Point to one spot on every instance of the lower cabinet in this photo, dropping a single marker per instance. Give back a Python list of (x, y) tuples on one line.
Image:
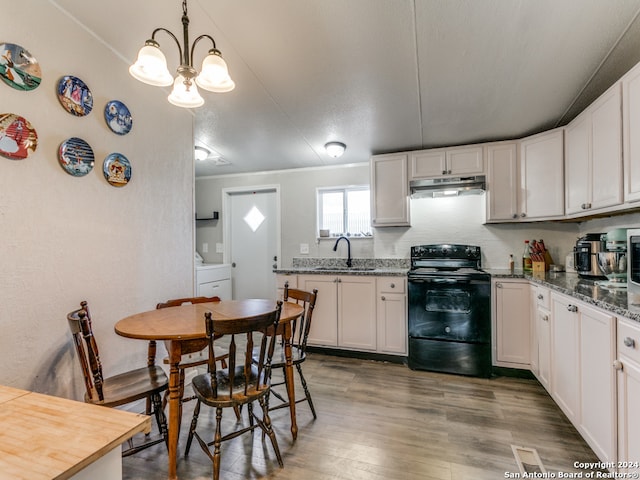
[(356, 312), (565, 341), (598, 382), (628, 382), (391, 311), (582, 374), (541, 335), (511, 342), (345, 311)]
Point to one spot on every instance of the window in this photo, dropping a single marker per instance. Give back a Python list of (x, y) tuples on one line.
[(344, 211)]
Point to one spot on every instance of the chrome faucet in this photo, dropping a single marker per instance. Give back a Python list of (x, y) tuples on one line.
[(335, 249)]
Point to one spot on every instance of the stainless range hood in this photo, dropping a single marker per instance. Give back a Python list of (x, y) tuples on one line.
[(451, 186)]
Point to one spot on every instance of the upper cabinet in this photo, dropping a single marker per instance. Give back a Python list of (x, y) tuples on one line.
[(631, 133), (502, 181), (450, 161), (593, 156), (525, 179), (389, 190), (541, 188)]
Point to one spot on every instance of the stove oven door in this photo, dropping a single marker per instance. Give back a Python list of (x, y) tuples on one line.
[(455, 309)]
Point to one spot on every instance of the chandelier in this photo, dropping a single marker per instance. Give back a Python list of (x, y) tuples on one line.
[(151, 68)]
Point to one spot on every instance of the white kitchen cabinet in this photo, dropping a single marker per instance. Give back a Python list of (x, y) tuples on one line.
[(389, 190), (357, 312), (502, 181), (511, 314), (467, 160), (628, 381), (391, 311), (541, 336), (598, 381), (593, 156), (631, 133), (565, 355), (324, 326), (213, 280), (345, 311), (281, 280), (541, 171)]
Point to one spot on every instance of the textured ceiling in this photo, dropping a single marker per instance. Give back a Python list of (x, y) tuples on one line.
[(381, 75)]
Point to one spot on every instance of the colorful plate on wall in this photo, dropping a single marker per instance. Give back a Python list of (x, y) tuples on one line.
[(117, 169), (75, 96), (18, 139), (118, 117), (76, 157), (18, 68)]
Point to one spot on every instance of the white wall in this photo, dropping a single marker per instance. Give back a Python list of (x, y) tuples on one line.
[(66, 239), (453, 220)]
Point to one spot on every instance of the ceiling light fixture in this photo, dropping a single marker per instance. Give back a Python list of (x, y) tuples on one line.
[(201, 153), (151, 68), (335, 149)]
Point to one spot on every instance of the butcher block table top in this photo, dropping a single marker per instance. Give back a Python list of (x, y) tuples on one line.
[(46, 437)]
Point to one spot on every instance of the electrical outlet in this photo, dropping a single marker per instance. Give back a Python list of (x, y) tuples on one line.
[(219, 248), (205, 247), (304, 248)]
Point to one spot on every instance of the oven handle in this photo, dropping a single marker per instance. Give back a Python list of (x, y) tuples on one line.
[(448, 281)]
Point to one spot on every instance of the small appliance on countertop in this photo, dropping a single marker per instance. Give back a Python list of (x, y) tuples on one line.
[(613, 260), (585, 256)]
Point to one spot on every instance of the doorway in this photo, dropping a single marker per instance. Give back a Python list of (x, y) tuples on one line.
[(252, 239)]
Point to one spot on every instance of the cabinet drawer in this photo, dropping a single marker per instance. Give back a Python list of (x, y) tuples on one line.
[(629, 339), (292, 280), (391, 284), (542, 297)]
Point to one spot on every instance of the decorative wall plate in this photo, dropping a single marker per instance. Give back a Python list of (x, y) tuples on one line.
[(118, 117), (76, 157), (75, 96), (18, 68), (117, 169), (18, 139)]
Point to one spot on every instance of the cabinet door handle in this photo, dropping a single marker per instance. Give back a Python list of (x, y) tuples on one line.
[(540, 296), (629, 342), (545, 318), (444, 172), (617, 364), (393, 285), (382, 298), (515, 215), (572, 308), (498, 285), (523, 214)]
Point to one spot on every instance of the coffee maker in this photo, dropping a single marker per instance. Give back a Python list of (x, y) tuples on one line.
[(585, 256)]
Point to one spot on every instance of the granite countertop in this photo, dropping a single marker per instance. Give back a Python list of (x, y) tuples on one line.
[(613, 300), (371, 271), (396, 267)]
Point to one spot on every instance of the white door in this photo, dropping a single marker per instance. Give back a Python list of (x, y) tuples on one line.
[(252, 241)]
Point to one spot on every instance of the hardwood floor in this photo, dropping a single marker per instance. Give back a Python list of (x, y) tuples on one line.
[(383, 421)]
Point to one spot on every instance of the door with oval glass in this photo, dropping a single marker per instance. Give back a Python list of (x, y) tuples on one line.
[(253, 227)]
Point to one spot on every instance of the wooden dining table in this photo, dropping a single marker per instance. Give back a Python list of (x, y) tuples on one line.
[(177, 326)]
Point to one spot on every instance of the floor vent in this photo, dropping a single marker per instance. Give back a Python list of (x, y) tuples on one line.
[(528, 460)]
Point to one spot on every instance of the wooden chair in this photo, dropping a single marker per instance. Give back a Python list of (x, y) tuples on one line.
[(188, 348), (299, 334), (240, 383), (128, 387)]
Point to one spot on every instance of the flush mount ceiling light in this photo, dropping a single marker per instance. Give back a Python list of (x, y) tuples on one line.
[(201, 153), (335, 149), (151, 68)]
